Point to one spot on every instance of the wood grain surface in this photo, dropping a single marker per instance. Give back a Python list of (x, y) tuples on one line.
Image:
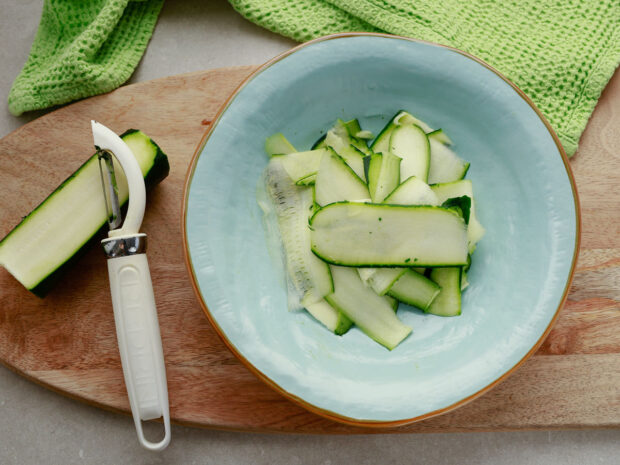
[(67, 340)]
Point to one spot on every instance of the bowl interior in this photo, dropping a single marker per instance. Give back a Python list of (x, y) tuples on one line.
[(520, 270)]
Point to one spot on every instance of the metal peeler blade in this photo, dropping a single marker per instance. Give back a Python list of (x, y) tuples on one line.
[(110, 188)]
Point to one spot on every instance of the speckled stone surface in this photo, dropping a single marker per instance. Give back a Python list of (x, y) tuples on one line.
[(38, 426)]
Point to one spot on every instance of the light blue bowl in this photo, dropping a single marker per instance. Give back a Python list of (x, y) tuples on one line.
[(525, 197)]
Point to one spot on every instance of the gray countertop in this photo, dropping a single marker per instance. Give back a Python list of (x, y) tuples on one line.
[(38, 426)]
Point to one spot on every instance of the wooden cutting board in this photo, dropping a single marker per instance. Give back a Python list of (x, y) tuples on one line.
[(67, 341)]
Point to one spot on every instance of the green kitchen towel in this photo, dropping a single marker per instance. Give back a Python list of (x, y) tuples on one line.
[(561, 53), (83, 48)]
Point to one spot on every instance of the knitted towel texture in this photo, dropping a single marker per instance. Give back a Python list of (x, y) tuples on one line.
[(83, 48), (561, 53)]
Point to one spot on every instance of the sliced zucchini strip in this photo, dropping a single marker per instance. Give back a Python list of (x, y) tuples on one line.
[(369, 235), (372, 313)]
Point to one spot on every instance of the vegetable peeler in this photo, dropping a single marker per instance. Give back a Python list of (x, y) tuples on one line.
[(135, 314)]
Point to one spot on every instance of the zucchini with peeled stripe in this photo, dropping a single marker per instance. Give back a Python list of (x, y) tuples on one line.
[(370, 235), (58, 231)]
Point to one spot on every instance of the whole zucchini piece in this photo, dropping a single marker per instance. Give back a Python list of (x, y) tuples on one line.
[(58, 231)]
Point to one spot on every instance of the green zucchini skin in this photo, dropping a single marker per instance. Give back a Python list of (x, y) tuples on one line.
[(373, 314), (448, 301), (334, 244), (349, 185), (441, 136), (157, 172), (48, 283), (277, 144), (353, 126), (319, 143), (383, 175), (323, 312), (344, 324), (385, 133), (161, 166), (415, 154), (414, 289)]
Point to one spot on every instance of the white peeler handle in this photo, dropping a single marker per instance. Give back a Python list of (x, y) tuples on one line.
[(139, 342)]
